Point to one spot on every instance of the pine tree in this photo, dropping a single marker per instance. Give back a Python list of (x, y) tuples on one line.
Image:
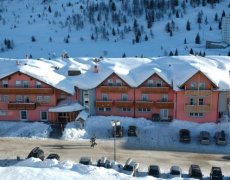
[(146, 37), (185, 41), (216, 17), (197, 39), (176, 53), (113, 32), (49, 9), (171, 53), (191, 51), (33, 39), (210, 29), (204, 54), (228, 53), (223, 14), (177, 14), (188, 27), (220, 25), (124, 55)]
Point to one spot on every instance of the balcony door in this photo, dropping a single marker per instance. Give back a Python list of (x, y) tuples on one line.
[(164, 113), (23, 115)]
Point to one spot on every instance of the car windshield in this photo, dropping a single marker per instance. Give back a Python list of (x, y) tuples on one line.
[(216, 172), (154, 171), (175, 172), (128, 168)]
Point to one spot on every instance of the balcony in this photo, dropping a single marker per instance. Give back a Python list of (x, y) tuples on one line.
[(104, 103), (157, 90), (144, 104), (22, 106), (198, 92), (164, 105), (26, 90), (114, 89), (123, 103), (197, 108)]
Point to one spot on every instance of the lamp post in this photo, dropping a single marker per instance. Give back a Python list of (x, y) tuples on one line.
[(114, 125)]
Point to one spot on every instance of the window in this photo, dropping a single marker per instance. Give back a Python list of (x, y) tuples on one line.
[(143, 110), (5, 83), (201, 85), (39, 98), (164, 113), (193, 85), (196, 114), (201, 101), (44, 115), (118, 82), (105, 97), (192, 101), (150, 83), (18, 83), (62, 114), (25, 84), (124, 109), (5, 98), (3, 112), (23, 115), (124, 97), (110, 82), (46, 99), (104, 109), (38, 84), (26, 99), (158, 83), (18, 98), (144, 97), (164, 98)]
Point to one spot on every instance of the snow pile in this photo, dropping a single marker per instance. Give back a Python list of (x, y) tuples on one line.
[(24, 129)]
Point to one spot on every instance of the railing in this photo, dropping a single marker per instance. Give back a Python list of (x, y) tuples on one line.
[(197, 108), (158, 90), (26, 90), (114, 89), (198, 92), (104, 103), (123, 103), (23, 106), (164, 105), (144, 104)]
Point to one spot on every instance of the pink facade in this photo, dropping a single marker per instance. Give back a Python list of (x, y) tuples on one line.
[(197, 102), (28, 99)]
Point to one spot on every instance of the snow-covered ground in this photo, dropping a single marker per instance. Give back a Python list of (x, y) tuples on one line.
[(150, 135)]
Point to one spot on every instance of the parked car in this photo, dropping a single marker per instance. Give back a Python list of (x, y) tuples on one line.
[(132, 131), (86, 160), (185, 136), (216, 173), (220, 138), (154, 170), (53, 156), (104, 162), (195, 172), (37, 153), (204, 137), (130, 167), (119, 131), (175, 171)]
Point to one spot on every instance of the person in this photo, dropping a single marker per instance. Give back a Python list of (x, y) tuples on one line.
[(93, 140)]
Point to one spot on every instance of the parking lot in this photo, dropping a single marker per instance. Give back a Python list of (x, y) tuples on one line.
[(10, 148)]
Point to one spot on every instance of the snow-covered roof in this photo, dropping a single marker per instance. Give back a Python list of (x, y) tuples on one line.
[(68, 107), (134, 71), (83, 115)]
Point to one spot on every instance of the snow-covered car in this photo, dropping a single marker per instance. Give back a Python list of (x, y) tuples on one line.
[(175, 172), (53, 156), (204, 137), (154, 170), (132, 131), (118, 132), (195, 172), (37, 153), (216, 173), (86, 160), (220, 138), (104, 162), (185, 136), (130, 167)]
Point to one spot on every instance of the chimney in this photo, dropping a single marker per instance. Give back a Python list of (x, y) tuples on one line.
[(95, 69)]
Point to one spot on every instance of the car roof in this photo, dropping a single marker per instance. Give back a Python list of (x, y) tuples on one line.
[(154, 166), (85, 158), (175, 167)]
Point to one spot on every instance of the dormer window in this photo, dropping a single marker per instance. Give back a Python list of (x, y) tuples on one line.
[(118, 82), (38, 84), (193, 85), (110, 82), (5, 83), (18, 83), (201, 86), (150, 83), (159, 83)]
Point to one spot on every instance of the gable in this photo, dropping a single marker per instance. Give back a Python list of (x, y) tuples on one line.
[(113, 78)]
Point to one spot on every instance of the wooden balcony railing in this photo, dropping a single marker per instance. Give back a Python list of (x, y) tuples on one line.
[(198, 92), (197, 108), (22, 106), (26, 90), (144, 104), (158, 90), (114, 89), (164, 105), (123, 103), (104, 103)]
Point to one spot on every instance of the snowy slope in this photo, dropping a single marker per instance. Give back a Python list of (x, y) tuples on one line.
[(21, 20)]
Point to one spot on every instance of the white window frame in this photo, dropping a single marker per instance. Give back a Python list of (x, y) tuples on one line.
[(39, 99), (164, 113), (41, 112), (3, 112), (38, 84), (110, 82), (144, 97), (201, 85), (158, 83), (150, 83), (118, 82), (26, 99), (25, 84), (21, 118), (124, 97), (5, 83), (164, 97), (46, 99), (193, 86), (5, 98), (104, 97), (18, 83), (19, 98)]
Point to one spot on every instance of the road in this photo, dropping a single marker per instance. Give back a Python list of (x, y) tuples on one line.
[(10, 148)]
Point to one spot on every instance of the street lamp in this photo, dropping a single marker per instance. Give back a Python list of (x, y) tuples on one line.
[(115, 123)]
